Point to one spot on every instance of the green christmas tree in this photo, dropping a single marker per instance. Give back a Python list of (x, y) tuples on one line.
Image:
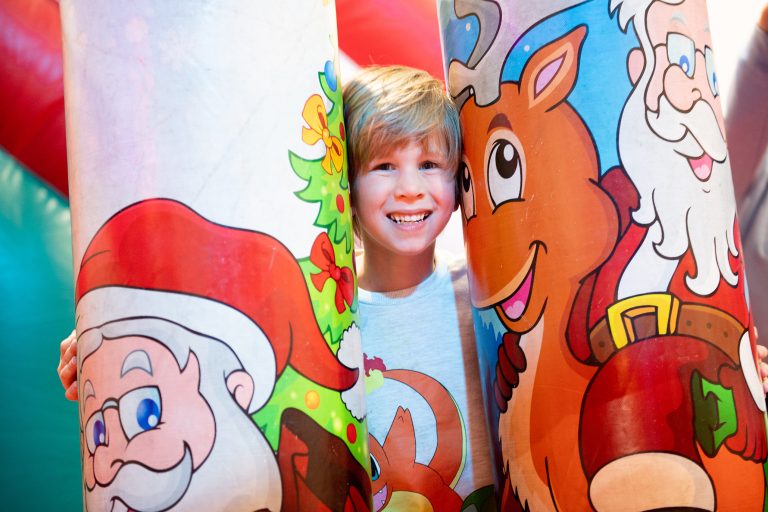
[(327, 185), (328, 270)]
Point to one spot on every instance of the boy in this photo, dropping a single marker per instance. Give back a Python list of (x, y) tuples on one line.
[(429, 443)]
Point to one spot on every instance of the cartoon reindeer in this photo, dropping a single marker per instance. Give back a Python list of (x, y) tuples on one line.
[(536, 223), (394, 468)]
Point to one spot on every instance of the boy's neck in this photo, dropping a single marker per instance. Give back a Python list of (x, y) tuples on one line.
[(387, 272)]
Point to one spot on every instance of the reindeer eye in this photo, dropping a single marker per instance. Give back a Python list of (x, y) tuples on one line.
[(467, 191), (505, 172)]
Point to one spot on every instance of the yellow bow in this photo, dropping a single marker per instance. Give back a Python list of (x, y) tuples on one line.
[(317, 119)]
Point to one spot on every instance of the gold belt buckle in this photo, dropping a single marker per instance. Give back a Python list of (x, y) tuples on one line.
[(620, 315)]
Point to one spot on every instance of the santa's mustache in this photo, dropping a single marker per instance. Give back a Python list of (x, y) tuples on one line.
[(139, 488), (693, 130)]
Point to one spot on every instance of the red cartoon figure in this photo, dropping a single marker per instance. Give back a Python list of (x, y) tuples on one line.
[(674, 416), (396, 472), (184, 327), (528, 161)]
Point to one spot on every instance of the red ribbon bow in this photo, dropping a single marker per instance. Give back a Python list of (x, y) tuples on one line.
[(323, 257)]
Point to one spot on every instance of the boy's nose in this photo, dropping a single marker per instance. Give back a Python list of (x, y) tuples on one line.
[(410, 184)]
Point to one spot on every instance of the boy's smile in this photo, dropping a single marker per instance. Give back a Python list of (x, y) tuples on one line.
[(408, 219), (403, 199)]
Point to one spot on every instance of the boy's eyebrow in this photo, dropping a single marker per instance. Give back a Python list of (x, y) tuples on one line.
[(499, 120)]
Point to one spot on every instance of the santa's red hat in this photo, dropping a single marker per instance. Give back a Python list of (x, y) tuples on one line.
[(160, 259)]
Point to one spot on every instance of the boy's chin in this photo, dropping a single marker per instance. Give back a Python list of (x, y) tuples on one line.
[(415, 247)]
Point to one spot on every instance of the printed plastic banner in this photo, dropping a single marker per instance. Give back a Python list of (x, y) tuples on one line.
[(614, 330), (219, 360)]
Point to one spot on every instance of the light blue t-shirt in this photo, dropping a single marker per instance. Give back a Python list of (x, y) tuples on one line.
[(422, 370)]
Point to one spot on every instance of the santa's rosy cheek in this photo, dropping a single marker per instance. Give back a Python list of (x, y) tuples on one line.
[(88, 472)]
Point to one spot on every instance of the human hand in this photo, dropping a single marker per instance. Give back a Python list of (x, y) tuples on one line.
[(68, 366), (763, 23), (762, 367)]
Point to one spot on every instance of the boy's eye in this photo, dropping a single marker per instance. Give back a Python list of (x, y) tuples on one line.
[(383, 167), (429, 165)]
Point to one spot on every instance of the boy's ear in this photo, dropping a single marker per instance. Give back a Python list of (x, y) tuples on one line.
[(457, 196)]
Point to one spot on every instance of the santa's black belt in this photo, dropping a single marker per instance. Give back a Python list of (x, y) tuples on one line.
[(659, 314)]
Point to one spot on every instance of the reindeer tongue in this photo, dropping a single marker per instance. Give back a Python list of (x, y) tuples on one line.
[(515, 305)]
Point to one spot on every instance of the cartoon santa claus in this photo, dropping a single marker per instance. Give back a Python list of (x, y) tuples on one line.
[(184, 327)]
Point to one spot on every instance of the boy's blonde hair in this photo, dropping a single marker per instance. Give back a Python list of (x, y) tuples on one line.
[(386, 107)]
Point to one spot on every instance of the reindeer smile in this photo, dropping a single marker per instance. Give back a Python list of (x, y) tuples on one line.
[(512, 299)]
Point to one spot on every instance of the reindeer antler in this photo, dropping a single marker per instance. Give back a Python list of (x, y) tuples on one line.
[(481, 75), (477, 76)]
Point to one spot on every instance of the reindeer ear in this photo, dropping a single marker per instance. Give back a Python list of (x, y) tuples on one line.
[(550, 74)]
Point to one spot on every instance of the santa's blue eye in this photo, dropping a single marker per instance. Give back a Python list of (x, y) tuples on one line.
[(709, 62), (684, 63), (140, 410), (99, 433), (681, 52), (95, 432), (148, 414)]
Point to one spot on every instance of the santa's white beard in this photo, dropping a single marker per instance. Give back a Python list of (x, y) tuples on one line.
[(139, 488), (240, 473), (691, 213)]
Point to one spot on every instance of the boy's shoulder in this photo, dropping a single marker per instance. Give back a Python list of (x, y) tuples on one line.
[(454, 264)]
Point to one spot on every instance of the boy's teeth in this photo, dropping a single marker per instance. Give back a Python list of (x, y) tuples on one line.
[(408, 218)]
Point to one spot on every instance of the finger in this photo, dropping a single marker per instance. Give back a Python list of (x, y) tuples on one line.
[(66, 342), (72, 349), (68, 355), (68, 374), (763, 371), (71, 392), (762, 352), (64, 346)]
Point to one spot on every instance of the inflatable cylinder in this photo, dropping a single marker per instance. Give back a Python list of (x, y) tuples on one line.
[(218, 356), (606, 275)]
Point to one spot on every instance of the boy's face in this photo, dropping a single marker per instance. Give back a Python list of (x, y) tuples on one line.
[(404, 198)]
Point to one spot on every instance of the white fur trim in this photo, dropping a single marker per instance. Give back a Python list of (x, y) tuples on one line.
[(748, 367), (350, 354), (132, 311)]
